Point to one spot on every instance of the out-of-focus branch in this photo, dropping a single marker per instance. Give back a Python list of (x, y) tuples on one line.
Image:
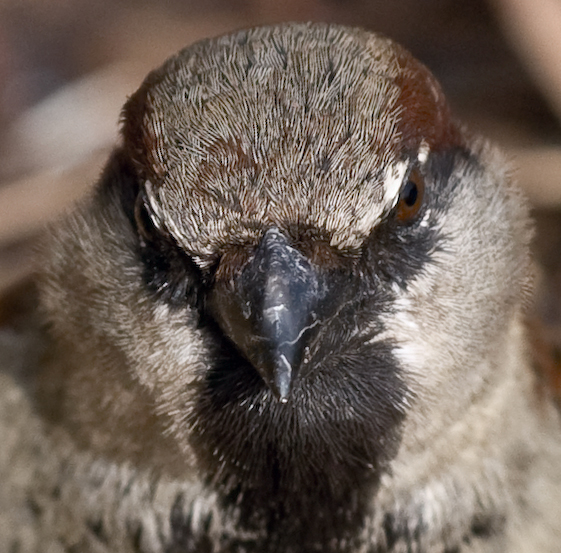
[(29, 203), (539, 172), (534, 30), (67, 127)]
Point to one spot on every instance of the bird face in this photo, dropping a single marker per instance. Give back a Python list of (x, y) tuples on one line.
[(306, 262)]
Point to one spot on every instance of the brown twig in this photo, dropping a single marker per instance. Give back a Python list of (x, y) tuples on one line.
[(534, 30)]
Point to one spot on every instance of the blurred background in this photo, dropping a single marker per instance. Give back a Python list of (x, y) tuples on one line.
[(67, 66)]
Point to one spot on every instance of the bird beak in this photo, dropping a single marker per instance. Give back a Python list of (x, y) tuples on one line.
[(270, 308)]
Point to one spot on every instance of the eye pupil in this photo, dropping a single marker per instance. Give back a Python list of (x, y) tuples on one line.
[(410, 193), (411, 197)]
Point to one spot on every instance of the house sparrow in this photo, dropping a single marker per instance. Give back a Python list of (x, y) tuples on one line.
[(289, 318)]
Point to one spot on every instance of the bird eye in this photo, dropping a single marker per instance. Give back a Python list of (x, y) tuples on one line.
[(411, 197)]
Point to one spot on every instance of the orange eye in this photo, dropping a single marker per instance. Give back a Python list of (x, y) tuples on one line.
[(411, 197)]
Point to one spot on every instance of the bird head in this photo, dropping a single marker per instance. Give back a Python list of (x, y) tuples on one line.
[(302, 257)]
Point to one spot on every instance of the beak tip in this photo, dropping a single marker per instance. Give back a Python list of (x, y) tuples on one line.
[(282, 393), (282, 379)]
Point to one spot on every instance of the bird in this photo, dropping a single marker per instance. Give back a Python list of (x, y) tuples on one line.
[(288, 318)]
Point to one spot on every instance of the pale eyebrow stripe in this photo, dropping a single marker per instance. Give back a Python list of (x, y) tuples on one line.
[(393, 180), (395, 175), (423, 154)]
